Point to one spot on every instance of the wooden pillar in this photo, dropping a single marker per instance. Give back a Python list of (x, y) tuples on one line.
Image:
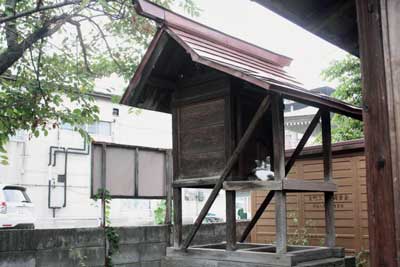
[(379, 41), (177, 192), (279, 170), (177, 217), (330, 239), (288, 167), (168, 189), (230, 198)]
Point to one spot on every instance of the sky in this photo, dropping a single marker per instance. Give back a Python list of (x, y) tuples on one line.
[(251, 22)]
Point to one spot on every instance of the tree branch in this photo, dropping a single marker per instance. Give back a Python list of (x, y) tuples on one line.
[(36, 67), (39, 9), (78, 29), (103, 36), (12, 54), (11, 27)]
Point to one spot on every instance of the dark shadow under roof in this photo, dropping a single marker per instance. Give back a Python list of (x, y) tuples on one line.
[(332, 20)]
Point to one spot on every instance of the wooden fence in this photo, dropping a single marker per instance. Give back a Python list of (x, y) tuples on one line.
[(306, 210)]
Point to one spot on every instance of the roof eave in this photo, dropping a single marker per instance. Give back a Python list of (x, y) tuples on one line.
[(138, 74)]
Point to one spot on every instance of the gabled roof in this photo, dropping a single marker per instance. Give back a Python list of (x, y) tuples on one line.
[(226, 54)]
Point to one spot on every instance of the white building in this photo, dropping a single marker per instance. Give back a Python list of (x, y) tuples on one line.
[(31, 163), (298, 117)]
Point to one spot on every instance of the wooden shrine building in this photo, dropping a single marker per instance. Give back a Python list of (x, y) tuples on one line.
[(368, 29), (226, 100)]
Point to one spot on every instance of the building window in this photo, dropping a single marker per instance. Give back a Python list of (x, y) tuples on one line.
[(19, 136), (70, 127), (100, 128), (66, 126), (115, 112)]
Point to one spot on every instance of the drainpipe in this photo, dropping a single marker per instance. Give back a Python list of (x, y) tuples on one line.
[(53, 151)]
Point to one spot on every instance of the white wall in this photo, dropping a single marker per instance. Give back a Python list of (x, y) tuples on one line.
[(28, 166), (29, 159)]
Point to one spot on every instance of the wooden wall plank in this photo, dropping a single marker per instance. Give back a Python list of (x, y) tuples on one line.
[(307, 209), (229, 165), (201, 139)]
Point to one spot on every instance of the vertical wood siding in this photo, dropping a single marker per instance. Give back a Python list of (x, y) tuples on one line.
[(308, 208)]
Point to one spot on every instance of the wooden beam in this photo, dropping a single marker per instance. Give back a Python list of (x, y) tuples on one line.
[(279, 171), (288, 167), (330, 239), (303, 141), (252, 185), (379, 38), (292, 185), (207, 182), (230, 164)]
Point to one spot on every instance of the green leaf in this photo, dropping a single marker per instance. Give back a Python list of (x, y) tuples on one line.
[(116, 99), (347, 74), (61, 91)]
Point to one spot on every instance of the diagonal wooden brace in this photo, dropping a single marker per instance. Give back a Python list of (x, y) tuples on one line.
[(230, 164), (288, 167)]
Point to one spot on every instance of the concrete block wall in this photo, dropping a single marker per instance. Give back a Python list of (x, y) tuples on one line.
[(142, 246)]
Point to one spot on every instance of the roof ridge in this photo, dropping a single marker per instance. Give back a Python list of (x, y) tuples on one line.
[(174, 20)]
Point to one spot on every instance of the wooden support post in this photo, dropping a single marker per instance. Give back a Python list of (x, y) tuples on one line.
[(177, 217), (177, 192), (329, 196), (103, 183), (288, 167), (379, 41), (231, 162), (168, 191), (103, 197), (279, 170), (230, 198)]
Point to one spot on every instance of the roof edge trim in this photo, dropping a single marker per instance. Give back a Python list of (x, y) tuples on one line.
[(162, 15), (137, 76)]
